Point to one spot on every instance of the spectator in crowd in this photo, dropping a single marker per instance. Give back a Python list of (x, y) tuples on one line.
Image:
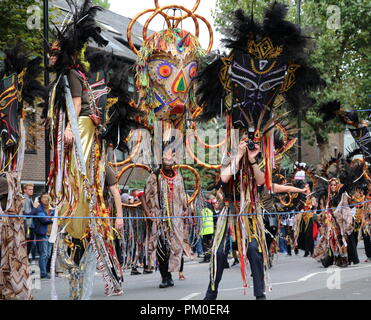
[(29, 227), (207, 231), (41, 232)]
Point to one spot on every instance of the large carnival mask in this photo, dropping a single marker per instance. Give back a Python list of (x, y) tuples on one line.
[(256, 78), (9, 130), (166, 81)]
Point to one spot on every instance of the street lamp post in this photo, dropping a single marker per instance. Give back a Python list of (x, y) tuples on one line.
[(46, 82), (298, 3)]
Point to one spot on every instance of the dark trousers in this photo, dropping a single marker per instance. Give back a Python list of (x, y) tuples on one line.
[(181, 265), (256, 263), (163, 254), (207, 243), (308, 240), (31, 245), (367, 242), (270, 236), (42, 247), (352, 240)]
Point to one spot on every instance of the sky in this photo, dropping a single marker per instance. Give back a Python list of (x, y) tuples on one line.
[(129, 8)]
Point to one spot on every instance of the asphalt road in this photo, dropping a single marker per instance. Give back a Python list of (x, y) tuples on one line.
[(292, 278)]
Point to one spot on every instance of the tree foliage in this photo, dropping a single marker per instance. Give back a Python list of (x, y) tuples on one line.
[(103, 3), (19, 21)]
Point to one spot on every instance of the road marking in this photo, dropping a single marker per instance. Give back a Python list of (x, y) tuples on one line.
[(305, 278), (190, 296)]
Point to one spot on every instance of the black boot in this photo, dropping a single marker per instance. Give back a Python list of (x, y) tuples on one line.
[(170, 281), (289, 250), (165, 283)]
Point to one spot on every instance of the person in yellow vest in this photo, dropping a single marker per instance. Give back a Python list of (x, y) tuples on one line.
[(207, 231)]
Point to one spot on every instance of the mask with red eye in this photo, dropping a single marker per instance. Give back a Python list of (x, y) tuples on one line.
[(169, 74)]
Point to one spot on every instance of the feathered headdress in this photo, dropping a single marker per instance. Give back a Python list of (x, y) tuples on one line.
[(332, 109), (273, 39), (123, 114), (360, 132), (75, 34)]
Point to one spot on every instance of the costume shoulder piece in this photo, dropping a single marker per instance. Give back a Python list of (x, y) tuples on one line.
[(19, 84)]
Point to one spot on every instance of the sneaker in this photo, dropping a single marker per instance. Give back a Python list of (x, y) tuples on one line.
[(263, 297), (47, 277)]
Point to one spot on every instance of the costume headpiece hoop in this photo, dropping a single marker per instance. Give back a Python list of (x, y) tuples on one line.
[(172, 21)]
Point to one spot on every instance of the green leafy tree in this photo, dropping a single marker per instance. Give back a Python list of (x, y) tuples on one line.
[(21, 20), (103, 3), (341, 54)]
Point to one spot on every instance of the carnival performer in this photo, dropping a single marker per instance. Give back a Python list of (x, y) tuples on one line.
[(164, 196), (19, 87), (336, 245), (265, 67), (76, 178), (304, 239)]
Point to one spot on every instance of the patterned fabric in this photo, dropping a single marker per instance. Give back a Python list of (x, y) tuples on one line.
[(163, 200), (15, 281)]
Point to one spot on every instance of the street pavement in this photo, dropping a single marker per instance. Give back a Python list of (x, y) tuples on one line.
[(292, 278)]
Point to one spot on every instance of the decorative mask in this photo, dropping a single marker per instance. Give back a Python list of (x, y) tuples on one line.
[(167, 66), (257, 77)]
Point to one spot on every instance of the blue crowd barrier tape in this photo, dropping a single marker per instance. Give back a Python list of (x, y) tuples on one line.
[(187, 217)]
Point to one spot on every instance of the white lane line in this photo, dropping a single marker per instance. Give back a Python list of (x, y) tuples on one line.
[(305, 278), (190, 296), (308, 276)]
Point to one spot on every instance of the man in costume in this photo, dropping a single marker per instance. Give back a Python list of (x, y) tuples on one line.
[(338, 243), (18, 86), (165, 72), (164, 196), (266, 66), (76, 179)]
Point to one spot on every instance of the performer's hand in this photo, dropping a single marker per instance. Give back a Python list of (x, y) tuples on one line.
[(253, 153), (68, 136), (306, 190), (242, 147), (119, 223)]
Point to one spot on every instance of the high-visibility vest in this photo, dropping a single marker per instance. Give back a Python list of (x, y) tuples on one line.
[(207, 222)]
